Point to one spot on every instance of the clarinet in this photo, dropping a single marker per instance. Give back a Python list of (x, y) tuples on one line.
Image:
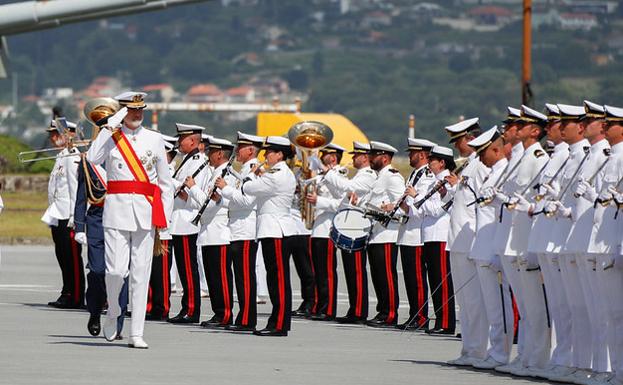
[(205, 204), (194, 175), (438, 187)]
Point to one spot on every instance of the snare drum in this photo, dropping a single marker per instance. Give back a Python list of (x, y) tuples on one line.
[(350, 230)]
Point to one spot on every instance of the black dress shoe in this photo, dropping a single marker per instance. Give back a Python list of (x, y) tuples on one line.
[(379, 323), (211, 323), (322, 317), (301, 313), (240, 328), (441, 331), (411, 325), (62, 302), (183, 319), (271, 333), (350, 319), (119, 337), (93, 326), (156, 317)]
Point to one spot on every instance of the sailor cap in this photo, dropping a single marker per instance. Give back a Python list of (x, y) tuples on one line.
[(132, 99), (332, 148), (205, 137), (71, 126), (185, 129), (442, 152), (168, 138), (460, 129), (419, 145), (614, 114), (568, 112), (381, 148), (249, 139), (485, 139), (552, 111), (168, 146), (528, 115), (512, 115), (593, 110), (220, 144), (360, 148)]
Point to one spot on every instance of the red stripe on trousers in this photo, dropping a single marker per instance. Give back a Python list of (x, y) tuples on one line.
[(166, 276), (149, 300), (247, 283), (189, 277), (282, 284), (75, 256), (444, 286), (420, 282), (311, 262), (359, 274), (331, 282), (225, 284), (390, 283)]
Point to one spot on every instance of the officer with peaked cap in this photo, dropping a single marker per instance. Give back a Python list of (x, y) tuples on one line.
[(410, 238), (382, 252), (496, 296), (434, 260), (59, 216), (184, 233), (242, 224), (139, 201), (323, 250), (461, 234)]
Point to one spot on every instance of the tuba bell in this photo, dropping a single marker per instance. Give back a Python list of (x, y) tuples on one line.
[(308, 137), (97, 111)]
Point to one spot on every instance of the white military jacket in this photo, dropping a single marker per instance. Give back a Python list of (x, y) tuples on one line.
[(561, 226), (214, 220), (462, 226), (183, 210), (516, 243), (582, 211), (325, 213), (487, 219), (388, 188), (165, 235), (62, 187), (360, 184), (410, 233), (542, 225), (273, 191), (606, 233), (130, 212), (242, 208)]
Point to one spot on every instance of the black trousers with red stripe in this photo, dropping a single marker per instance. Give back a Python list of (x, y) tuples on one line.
[(436, 262), (185, 248), (383, 258), (217, 266), (159, 298), (414, 272), (325, 270), (69, 257), (276, 252), (301, 255), (243, 254), (357, 283)]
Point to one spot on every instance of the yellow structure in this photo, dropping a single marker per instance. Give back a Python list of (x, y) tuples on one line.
[(344, 131)]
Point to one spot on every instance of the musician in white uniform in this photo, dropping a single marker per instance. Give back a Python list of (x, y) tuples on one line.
[(59, 216), (139, 202), (461, 234), (273, 191), (382, 251), (495, 289), (410, 237)]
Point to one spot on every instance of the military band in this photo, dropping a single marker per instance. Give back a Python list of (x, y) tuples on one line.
[(509, 222)]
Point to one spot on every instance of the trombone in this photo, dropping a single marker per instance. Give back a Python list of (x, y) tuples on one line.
[(24, 156)]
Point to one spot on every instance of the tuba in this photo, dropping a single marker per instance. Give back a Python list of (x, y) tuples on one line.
[(308, 137), (97, 111)]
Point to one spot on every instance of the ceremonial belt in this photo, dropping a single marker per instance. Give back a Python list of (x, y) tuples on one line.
[(141, 184)]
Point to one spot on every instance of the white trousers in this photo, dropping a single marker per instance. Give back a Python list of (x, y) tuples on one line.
[(260, 272), (538, 332), (559, 309), (613, 285), (580, 324), (500, 337), (511, 271), (472, 314), (129, 253)]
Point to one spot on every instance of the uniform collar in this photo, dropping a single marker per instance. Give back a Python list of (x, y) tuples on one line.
[(385, 169), (221, 167), (600, 146), (560, 147), (442, 174), (617, 148), (578, 146), (517, 150), (249, 163), (534, 146), (127, 131), (499, 164)]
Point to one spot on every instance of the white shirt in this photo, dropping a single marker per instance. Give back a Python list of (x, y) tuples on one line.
[(129, 212), (410, 233), (183, 210), (242, 208), (62, 187)]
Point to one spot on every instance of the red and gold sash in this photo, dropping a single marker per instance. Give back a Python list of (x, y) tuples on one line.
[(140, 184)]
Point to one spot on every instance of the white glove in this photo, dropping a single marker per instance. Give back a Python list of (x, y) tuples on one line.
[(495, 264), (558, 208), (521, 204), (488, 193), (499, 195), (552, 188), (70, 222), (81, 238), (585, 190), (617, 196)]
